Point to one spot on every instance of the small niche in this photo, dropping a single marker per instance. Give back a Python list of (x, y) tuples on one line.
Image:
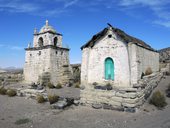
[(39, 53), (110, 35)]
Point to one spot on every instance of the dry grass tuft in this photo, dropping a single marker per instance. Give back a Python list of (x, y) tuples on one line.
[(40, 99), (53, 98), (148, 71), (158, 99), (3, 91), (11, 92)]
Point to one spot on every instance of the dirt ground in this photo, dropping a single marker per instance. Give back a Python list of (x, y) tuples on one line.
[(42, 116)]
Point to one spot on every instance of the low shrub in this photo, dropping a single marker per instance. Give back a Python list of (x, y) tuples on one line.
[(58, 86), (3, 91), (40, 99), (22, 121), (108, 86), (53, 98), (158, 100), (77, 85), (148, 71), (95, 83), (50, 85), (167, 73), (11, 92)]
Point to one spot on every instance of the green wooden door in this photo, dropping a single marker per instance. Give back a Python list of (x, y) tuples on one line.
[(109, 69)]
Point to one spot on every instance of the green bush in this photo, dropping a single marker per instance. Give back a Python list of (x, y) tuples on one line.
[(50, 85), (158, 100), (53, 98), (148, 71), (3, 91), (58, 86), (40, 99), (11, 92)]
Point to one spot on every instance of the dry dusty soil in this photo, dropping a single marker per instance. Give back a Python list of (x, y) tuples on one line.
[(34, 115)]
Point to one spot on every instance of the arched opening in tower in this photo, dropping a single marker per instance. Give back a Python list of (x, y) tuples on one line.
[(40, 42), (55, 41)]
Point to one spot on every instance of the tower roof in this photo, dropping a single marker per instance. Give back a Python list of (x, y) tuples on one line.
[(47, 28)]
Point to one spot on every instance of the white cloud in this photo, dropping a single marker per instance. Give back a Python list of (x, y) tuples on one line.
[(158, 7), (16, 48), (12, 47), (163, 23), (70, 3), (18, 6), (142, 2)]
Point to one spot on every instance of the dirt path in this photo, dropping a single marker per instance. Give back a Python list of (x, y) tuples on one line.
[(41, 116)]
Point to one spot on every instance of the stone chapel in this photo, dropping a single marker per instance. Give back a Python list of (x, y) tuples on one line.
[(47, 60), (114, 56), (113, 68)]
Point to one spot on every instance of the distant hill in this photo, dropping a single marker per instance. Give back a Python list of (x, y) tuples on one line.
[(164, 55), (2, 71), (11, 69)]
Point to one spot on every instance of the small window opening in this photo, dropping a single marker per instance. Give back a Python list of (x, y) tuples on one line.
[(39, 53), (110, 36), (55, 41)]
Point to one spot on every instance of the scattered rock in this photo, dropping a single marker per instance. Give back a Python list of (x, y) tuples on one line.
[(107, 106), (131, 110), (59, 105), (97, 106), (70, 101), (121, 109), (76, 102), (33, 86), (82, 87), (40, 87), (168, 93)]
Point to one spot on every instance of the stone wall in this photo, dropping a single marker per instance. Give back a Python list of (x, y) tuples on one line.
[(10, 77), (140, 60), (121, 98)]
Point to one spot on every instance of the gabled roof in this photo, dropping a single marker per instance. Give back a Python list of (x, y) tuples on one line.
[(121, 34)]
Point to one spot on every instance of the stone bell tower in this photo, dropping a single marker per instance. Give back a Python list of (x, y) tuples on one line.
[(47, 60)]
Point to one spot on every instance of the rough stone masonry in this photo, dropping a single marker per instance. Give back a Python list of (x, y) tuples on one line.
[(47, 60)]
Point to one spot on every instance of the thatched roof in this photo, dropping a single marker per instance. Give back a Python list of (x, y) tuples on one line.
[(121, 34)]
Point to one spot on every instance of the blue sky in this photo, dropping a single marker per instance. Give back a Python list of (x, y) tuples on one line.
[(78, 21)]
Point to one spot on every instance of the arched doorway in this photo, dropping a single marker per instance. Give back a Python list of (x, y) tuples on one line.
[(55, 41), (40, 42), (109, 69)]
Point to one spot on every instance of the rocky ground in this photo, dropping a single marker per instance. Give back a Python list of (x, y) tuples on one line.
[(17, 110)]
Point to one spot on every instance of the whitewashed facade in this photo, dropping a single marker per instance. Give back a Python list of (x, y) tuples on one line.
[(130, 57)]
